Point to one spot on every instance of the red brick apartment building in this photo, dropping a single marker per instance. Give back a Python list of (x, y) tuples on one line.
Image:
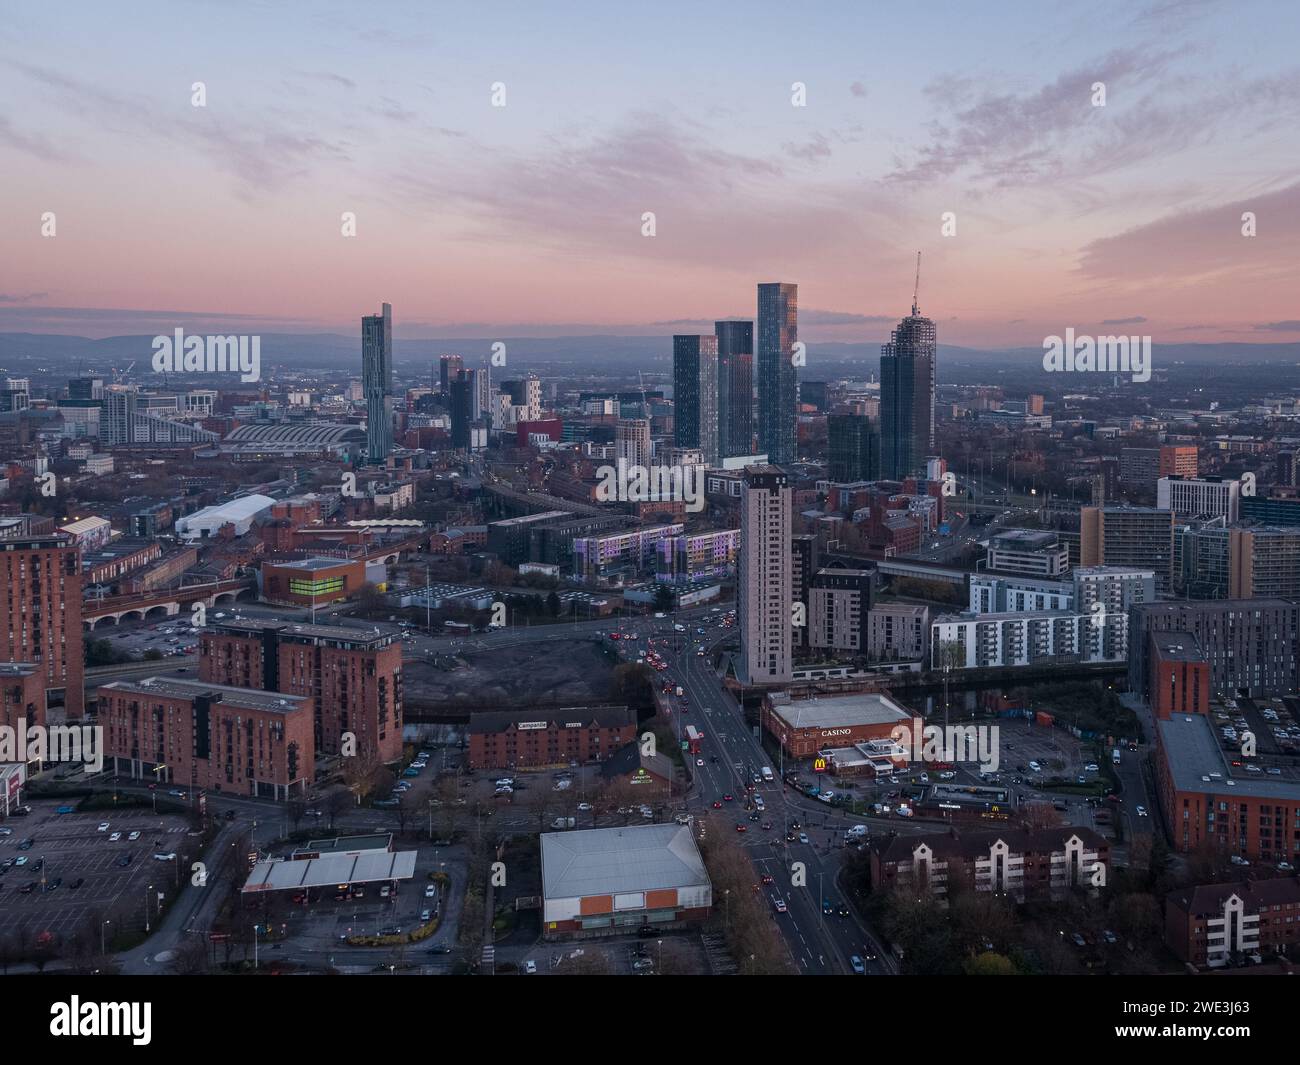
[(230, 740), (40, 614), (509, 739), (1209, 923), (1017, 862), (352, 676), (22, 695), (1180, 675), (1207, 802)]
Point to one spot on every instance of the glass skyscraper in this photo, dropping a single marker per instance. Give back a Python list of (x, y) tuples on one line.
[(735, 388), (907, 390), (377, 383), (778, 383), (695, 394)]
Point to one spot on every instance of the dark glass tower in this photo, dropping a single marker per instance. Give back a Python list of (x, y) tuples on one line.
[(464, 407), (907, 388), (735, 388), (853, 447), (377, 383), (695, 394), (778, 384)]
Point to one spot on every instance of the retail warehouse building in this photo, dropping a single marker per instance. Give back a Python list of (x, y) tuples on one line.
[(609, 881)]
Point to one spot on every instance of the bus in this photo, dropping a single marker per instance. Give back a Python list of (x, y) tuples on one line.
[(693, 739)]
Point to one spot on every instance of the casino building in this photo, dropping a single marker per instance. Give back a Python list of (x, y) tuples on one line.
[(804, 726)]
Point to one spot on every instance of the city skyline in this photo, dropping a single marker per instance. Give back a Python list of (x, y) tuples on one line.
[(1065, 213)]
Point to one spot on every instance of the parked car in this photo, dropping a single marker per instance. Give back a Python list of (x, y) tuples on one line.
[(857, 965), (530, 967), (165, 856), (431, 891), (103, 826), (132, 837)]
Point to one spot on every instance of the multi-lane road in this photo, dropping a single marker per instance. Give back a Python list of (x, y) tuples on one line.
[(805, 871)]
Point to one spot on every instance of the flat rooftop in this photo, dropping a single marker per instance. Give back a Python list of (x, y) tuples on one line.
[(376, 841), (609, 861), (838, 711), (338, 633), (1177, 647), (1197, 763), (319, 562), (331, 870), (181, 688)]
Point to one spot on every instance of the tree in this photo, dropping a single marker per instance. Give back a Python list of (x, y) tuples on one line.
[(990, 964)]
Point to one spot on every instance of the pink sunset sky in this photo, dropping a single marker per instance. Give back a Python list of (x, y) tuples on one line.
[(475, 220)]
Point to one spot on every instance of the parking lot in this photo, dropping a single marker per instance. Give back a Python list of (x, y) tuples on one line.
[(71, 849)]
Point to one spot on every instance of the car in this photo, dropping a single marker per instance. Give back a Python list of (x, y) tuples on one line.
[(1237, 859), (115, 837), (385, 804), (439, 950), (1092, 767), (1109, 936), (1141, 811), (755, 816), (827, 908), (40, 864), (1078, 940), (76, 883), (165, 856), (132, 837), (717, 804), (780, 906), (530, 967), (26, 844), (393, 931), (103, 826), (642, 965), (385, 891), (123, 861), (6, 831), (27, 889), (51, 885), (728, 797), (431, 891), (21, 860), (315, 813), (585, 807), (426, 915), (176, 793), (766, 826), (766, 878), (857, 965), (699, 761), (803, 837), (742, 828)]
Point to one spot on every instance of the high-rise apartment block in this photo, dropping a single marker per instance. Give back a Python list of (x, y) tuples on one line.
[(695, 394), (763, 583)]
